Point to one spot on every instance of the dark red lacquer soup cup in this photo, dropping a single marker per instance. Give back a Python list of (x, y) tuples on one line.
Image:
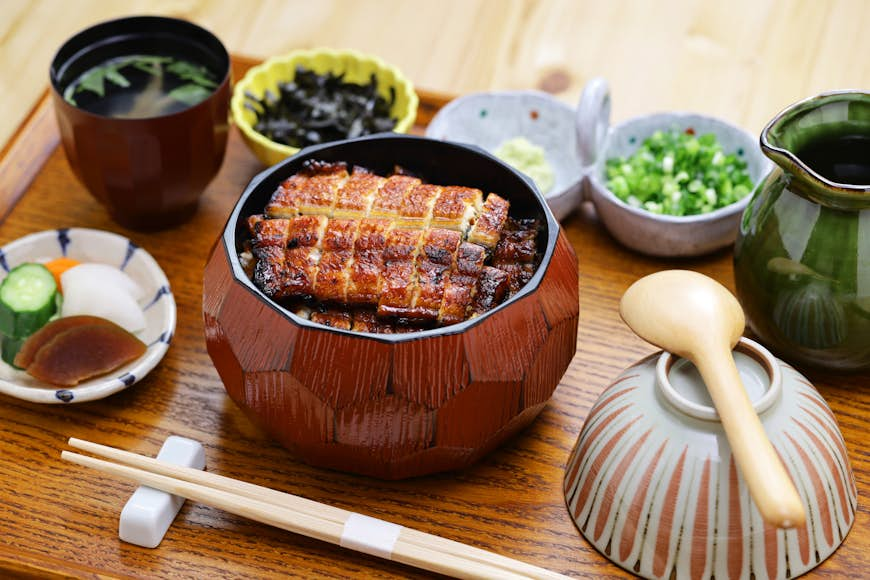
[(148, 170), (399, 405)]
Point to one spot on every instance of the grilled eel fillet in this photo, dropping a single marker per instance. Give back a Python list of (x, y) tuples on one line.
[(386, 267), (328, 189)]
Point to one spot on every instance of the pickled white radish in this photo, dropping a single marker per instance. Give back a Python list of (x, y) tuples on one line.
[(94, 298), (104, 291), (104, 275)]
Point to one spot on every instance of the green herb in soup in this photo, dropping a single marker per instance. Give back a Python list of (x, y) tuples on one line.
[(140, 86), (677, 173)]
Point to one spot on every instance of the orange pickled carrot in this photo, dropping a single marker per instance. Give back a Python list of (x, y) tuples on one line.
[(58, 266)]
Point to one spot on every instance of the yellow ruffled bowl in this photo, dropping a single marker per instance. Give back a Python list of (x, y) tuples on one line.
[(357, 68)]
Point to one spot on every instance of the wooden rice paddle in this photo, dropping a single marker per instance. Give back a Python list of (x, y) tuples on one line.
[(695, 317)]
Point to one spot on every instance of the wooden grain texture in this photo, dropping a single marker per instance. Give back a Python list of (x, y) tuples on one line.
[(743, 60), (22, 159), (61, 521)]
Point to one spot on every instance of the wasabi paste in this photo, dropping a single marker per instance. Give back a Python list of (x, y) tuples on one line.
[(528, 158)]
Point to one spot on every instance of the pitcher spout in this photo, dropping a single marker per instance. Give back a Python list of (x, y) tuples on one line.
[(801, 141)]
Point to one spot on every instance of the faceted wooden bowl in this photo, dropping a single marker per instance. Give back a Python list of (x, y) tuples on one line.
[(394, 406)]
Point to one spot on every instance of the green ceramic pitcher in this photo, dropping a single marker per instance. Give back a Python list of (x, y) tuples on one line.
[(802, 256)]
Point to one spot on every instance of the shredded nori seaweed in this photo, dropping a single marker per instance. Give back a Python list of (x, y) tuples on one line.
[(315, 108)]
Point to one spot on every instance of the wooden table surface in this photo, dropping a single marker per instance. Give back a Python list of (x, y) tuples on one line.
[(743, 61)]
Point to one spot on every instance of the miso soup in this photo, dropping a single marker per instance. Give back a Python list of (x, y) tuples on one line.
[(141, 86)]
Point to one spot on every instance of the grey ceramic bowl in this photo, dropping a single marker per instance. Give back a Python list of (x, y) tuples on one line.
[(638, 229), (491, 118)]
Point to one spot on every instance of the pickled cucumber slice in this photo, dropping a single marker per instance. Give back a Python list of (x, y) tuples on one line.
[(28, 299)]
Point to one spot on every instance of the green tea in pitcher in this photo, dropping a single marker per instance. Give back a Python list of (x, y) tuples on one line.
[(141, 86), (840, 157)]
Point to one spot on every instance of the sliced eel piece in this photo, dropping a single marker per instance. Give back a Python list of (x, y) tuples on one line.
[(368, 321), (515, 252), (367, 261), (312, 191), (492, 286), (399, 275), (252, 222), (390, 197), (335, 260), (302, 255), (456, 208), (247, 260), (285, 201), (517, 242), (333, 318), (435, 261), (519, 275), (416, 211), (269, 249), (461, 284), (486, 230), (355, 197), (269, 232)]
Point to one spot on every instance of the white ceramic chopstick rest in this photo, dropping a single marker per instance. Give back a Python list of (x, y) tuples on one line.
[(149, 512)]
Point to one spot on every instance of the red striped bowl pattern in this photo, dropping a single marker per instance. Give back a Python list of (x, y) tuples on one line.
[(657, 492)]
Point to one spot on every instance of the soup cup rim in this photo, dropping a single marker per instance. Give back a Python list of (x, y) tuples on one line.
[(54, 80)]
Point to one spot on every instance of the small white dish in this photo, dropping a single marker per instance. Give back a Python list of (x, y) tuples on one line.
[(87, 245), (638, 229), (489, 119)]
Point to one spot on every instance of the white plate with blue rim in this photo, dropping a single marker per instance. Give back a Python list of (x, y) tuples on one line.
[(87, 245)]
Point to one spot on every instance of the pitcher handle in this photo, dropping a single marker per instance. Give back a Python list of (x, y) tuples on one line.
[(592, 120)]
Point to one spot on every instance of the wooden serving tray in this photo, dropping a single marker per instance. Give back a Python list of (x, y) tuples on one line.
[(61, 520)]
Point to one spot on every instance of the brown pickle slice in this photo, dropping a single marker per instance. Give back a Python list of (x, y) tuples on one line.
[(83, 352), (38, 339)]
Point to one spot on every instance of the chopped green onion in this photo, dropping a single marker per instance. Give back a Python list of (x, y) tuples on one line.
[(677, 173)]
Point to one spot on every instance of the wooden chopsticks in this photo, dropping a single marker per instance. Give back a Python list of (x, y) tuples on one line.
[(306, 517)]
